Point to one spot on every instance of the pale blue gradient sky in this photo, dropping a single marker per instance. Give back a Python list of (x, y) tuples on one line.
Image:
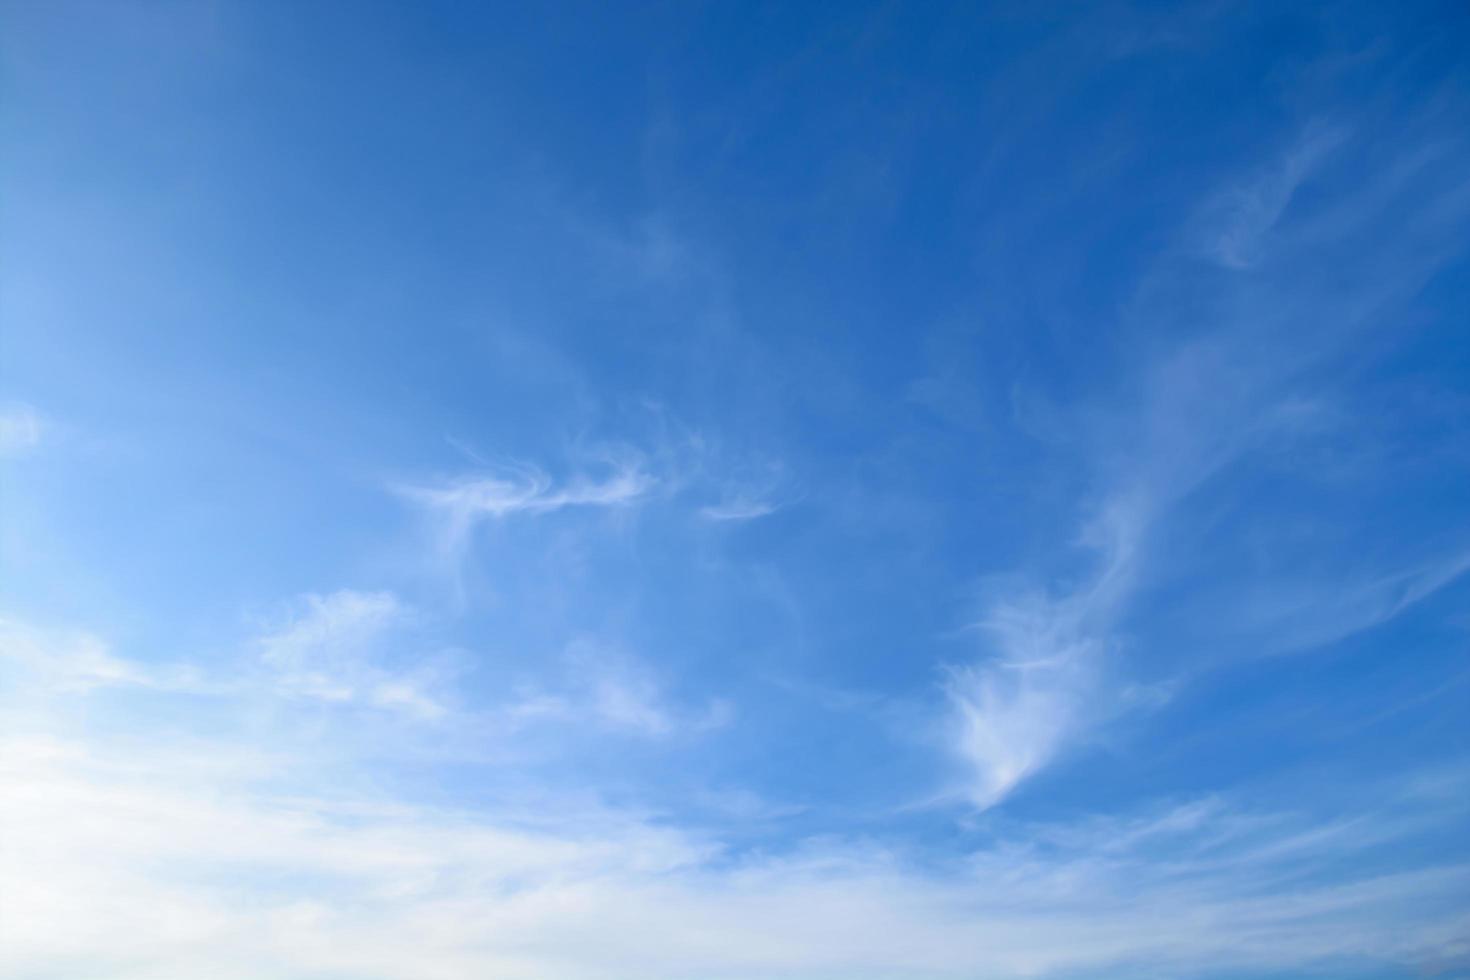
[(734, 490)]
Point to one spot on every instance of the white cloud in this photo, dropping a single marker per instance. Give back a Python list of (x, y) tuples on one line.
[(330, 650), (1237, 223), (747, 487), (1298, 614), (522, 488), (20, 429), (346, 649), (610, 689), (76, 661), (629, 702), (532, 491), (1054, 668), (330, 628), (1044, 682), (131, 861), (1014, 713), (738, 509)]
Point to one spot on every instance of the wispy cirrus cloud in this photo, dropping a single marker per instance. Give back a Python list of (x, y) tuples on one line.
[(329, 649), (1235, 225), (624, 693), (513, 488), (1013, 714), (133, 860), (738, 509), (1296, 614), (77, 661), (329, 628), (604, 690), (680, 463), (752, 488), (1053, 668), (351, 650), (529, 490), (1057, 656)]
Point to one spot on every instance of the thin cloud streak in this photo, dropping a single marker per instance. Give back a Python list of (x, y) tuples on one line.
[(76, 662), (611, 691), (1237, 223), (519, 488), (347, 651), (738, 509), (330, 650)]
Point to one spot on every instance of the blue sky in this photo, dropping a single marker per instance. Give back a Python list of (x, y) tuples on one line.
[(734, 490)]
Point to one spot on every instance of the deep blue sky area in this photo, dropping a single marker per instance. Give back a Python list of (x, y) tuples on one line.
[(744, 491)]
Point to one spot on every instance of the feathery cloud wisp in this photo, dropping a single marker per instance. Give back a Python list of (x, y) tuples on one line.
[(77, 661), (738, 509), (465, 501), (327, 652), (1199, 408)]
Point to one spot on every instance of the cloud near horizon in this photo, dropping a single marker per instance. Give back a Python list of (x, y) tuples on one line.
[(673, 492), (126, 857)]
